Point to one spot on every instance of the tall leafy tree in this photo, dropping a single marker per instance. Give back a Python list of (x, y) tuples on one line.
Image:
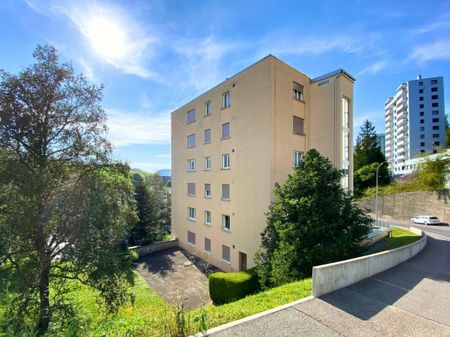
[(367, 157), (311, 221), (153, 205), (64, 206)]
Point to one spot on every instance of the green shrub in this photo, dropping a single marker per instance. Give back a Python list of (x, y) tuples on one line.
[(228, 287)]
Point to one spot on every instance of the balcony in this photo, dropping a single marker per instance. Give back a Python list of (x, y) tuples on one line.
[(402, 121), (402, 129)]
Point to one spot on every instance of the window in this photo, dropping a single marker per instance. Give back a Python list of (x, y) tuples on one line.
[(192, 215), (207, 190), (422, 151), (420, 84), (420, 91), (208, 109), (207, 136), (421, 106), (191, 141), (434, 96), (433, 81), (207, 219), (437, 143), (207, 245), (191, 165), (422, 113), (207, 163), (191, 238), (226, 100), (226, 254), (298, 125), (435, 89), (191, 189), (421, 98), (296, 158), (435, 120), (190, 116), (226, 225), (422, 136), (297, 91), (225, 191), (435, 112), (422, 128), (422, 144), (226, 161), (435, 105), (435, 135), (436, 127), (226, 130), (422, 121)]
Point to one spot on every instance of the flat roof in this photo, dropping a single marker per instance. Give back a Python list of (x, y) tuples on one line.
[(333, 73)]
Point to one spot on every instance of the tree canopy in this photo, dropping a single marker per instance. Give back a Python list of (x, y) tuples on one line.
[(64, 205), (367, 157), (311, 221)]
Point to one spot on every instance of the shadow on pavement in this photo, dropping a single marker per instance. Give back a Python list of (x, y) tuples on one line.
[(367, 298)]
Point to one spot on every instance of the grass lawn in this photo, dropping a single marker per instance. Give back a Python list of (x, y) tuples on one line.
[(401, 237), (152, 316)]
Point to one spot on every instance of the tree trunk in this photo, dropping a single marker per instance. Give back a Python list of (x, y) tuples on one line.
[(44, 306)]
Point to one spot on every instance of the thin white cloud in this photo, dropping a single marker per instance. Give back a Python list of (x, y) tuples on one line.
[(439, 50), (163, 155), (433, 27), (127, 128), (203, 58), (376, 117), (129, 50), (373, 68)]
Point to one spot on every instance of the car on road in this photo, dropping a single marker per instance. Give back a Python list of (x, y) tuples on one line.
[(426, 220)]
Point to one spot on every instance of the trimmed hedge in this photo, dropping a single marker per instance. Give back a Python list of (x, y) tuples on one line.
[(229, 287)]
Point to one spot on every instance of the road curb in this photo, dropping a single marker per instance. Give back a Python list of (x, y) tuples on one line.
[(252, 317)]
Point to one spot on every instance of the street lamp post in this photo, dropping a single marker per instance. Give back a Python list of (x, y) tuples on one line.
[(376, 194)]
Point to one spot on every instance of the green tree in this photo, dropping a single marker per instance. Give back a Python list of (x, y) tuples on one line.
[(64, 206), (432, 173), (368, 153), (153, 205), (311, 221)]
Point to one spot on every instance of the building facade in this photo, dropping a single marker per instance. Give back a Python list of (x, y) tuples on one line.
[(381, 142), (232, 144), (414, 121)]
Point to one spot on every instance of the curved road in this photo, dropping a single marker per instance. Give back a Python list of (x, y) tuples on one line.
[(411, 299)]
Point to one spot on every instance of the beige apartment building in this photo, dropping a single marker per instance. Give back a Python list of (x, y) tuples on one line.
[(232, 144)]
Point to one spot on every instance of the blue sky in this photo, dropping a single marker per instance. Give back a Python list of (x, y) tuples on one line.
[(154, 56)]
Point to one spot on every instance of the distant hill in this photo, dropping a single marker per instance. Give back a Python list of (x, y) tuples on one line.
[(165, 173)]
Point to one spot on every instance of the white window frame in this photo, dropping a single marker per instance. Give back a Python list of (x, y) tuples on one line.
[(207, 221), (226, 165), (297, 158), (224, 217), (205, 191), (191, 165), (226, 100), (208, 111), (192, 214), (206, 162)]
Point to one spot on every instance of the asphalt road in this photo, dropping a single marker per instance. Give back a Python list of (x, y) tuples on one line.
[(411, 299)]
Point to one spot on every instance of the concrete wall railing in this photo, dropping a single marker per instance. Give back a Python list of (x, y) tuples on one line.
[(333, 276), (155, 247)]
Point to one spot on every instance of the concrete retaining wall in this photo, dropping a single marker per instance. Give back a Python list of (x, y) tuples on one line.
[(155, 247), (333, 276), (404, 206)]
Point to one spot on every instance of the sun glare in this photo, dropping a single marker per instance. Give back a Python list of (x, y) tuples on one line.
[(106, 37)]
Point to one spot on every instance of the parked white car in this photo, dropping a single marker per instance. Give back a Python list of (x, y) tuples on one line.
[(426, 220)]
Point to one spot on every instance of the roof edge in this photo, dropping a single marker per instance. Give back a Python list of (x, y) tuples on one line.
[(334, 73)]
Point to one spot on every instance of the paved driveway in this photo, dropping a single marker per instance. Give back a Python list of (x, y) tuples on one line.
[(177, 276), (411, 299)]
